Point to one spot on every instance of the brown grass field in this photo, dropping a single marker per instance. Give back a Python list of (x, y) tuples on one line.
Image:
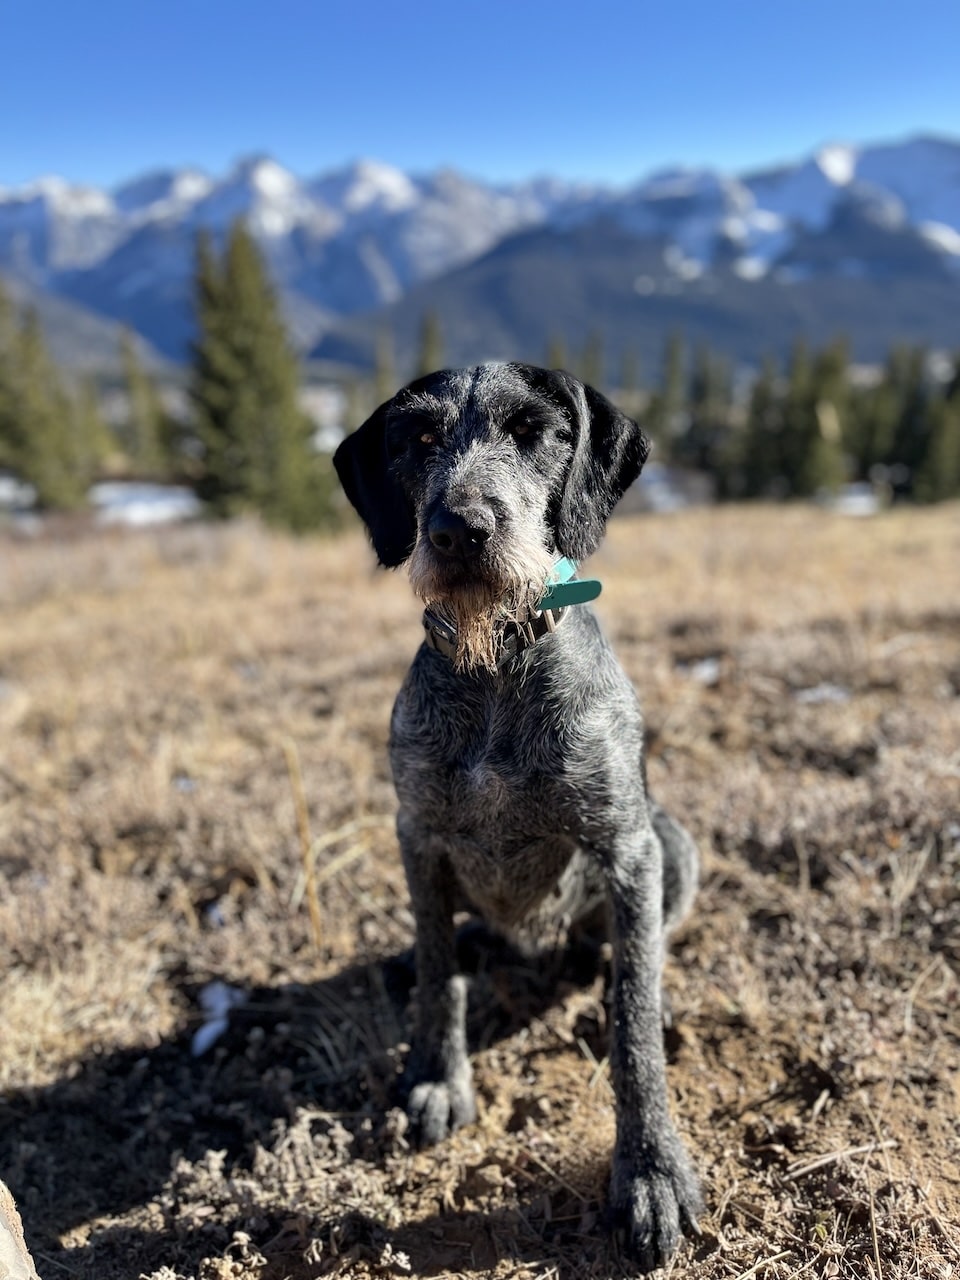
[(161, 697)]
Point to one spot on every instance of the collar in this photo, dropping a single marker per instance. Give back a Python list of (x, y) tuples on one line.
[(563, 590)]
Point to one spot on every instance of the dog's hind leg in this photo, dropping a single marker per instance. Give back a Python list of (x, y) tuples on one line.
[(681, 866)]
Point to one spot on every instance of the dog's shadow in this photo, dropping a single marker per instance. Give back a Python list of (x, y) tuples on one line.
[(104, 1142)]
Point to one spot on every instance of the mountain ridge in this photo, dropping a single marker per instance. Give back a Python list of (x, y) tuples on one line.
[(359, 245)]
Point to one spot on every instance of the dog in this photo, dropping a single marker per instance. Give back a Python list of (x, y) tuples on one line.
[(516, 740)]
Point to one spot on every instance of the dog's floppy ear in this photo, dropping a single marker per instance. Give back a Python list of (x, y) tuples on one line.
[(367, 475), (609, 450)]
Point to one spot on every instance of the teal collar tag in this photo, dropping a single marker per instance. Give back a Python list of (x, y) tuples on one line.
[(565, 589)]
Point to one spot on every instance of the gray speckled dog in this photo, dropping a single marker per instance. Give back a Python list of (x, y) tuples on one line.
[(517, 740)]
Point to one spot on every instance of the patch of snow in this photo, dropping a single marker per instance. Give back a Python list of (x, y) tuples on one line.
[(682, 266), (941, 236), (750, 268), (15, 495), (923, 172), (838, 162), (216, 1000), (821, 693), (137, 505), (804, 194), (853, 500), (706, 671)]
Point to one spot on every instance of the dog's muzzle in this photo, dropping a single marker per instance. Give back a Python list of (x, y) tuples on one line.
[(461, 535)]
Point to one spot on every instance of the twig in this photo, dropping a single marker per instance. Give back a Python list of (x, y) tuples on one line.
[(303, 828), (764, 1262), (873, 1229), (553, 1174), (915, 991), (801, 1170), (342, 860)]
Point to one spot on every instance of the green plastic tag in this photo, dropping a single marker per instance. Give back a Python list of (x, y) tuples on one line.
[(565, 589)]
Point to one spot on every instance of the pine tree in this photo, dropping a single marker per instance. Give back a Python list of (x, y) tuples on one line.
[(592, 362), (823, 465), (430, 354), (952, 391), (147, 436), (871, 424), (762, 453), (385, 381), (7, 367), (938, 474), (630, 373), (666, 415), (911, 434), (704, 443), (256, 441), (556, 355), (52, 441)]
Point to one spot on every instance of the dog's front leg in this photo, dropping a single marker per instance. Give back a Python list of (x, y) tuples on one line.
[(654, 1192), (437, 1078)]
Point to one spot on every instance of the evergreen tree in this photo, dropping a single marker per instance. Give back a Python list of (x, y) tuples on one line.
[(666, 415), (630, 373), (823, 464), (938, 474), (952, 391), (704, 444), (148, 434), (592, 361), (430, 355), (557, 357), (51, 441), (628, 394), (911, 434), (7, 367), (384, 368), (255, 439), (870, 426), (762, 453)]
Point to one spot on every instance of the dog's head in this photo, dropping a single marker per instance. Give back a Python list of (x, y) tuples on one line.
[(481, 477)]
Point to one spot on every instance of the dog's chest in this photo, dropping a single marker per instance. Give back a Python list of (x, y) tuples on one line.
[(497, 798)]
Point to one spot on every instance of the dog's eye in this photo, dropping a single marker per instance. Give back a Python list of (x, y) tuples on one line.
[(520, 427), (427, 437)]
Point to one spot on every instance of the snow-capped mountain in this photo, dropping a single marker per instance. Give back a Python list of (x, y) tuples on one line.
[(363, 237)]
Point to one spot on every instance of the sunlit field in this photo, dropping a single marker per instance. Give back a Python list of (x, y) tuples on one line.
[(194, 787)]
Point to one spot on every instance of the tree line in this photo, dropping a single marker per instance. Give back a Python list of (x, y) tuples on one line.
[(799, 427), (791, 429)]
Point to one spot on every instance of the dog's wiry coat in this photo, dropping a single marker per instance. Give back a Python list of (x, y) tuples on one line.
[(521, 788)]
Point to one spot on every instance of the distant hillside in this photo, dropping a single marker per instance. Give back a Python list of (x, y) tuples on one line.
[(78, 338), (599, 279)]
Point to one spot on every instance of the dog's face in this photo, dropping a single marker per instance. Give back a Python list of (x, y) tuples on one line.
[(480, 477)]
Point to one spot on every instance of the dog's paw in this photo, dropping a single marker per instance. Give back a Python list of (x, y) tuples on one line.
[(652, 1202), (437, 1107)]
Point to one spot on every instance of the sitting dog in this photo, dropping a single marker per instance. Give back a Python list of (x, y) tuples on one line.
[(517, 741)]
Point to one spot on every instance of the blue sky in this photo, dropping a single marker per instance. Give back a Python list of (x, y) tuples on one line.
[(100, 90)]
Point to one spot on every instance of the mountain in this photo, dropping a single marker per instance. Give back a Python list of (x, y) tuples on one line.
[(861, 238), (600, 278), (78, 339)]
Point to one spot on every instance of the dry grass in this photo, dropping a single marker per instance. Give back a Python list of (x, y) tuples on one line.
[(160, 696)]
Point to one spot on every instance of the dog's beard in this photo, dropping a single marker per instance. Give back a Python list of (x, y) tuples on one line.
[(479, 604)]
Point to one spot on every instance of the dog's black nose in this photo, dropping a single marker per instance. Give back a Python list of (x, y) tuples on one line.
[(464, 535)]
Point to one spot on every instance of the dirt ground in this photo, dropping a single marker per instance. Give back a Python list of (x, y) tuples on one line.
[(163, 696)]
